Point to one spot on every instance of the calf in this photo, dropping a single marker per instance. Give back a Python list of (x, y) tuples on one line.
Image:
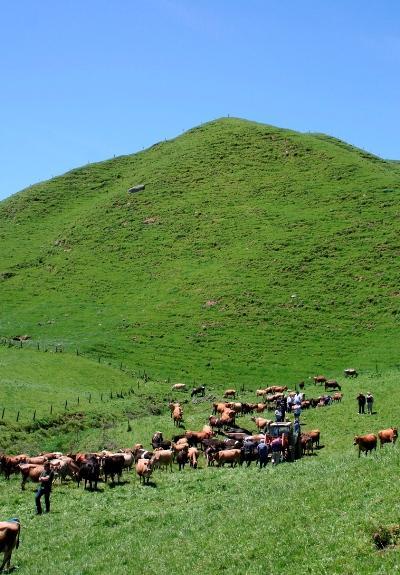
[(388, 436), (319, 379), (230, 393), (365, 443), (182, 458)]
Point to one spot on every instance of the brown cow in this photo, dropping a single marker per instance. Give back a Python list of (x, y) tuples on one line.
[(162, 458), (337, 397), (10, 464), (261, 423), (30, 472), (261, 392), (315, 435), (144, 470), (193, 454), (231, 456), (9, 539), (177, 416), (306, 444), (388, 435), (332, 384), (365, 442), (319, 379), (230, 393)]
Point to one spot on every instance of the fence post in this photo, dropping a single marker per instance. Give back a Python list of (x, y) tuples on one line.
[(2, 415), (111, 395), (101, 397), (66, 404), (99, 359), (34, 415), (78, 399), (51, 409), (17, 415), (38, 346), (90, 397), (77, 351)]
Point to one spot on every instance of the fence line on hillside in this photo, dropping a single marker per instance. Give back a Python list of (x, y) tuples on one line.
[(63, 406), (17, 343)]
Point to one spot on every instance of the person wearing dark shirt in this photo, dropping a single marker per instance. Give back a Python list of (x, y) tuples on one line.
[(45, 480), (262, 449), (361, 403)]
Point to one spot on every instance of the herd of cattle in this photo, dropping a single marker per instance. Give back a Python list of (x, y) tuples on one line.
[(221, 441)]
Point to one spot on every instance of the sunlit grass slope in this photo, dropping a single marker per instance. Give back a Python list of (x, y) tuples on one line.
[(254, 253)]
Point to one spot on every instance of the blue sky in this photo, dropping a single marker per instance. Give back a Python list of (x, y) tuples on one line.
[(82, 80)]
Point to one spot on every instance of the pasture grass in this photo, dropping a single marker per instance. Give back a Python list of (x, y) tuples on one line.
[(314, 516)]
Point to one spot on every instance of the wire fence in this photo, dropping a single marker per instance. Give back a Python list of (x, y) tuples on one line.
[(71, 404)]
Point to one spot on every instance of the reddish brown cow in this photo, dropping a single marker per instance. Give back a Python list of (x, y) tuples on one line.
[(144, 470), (365, 443), (319, 379), (10, 464), (231, 456), (230, 393), (306, 444), (9, 539), (177, 416), (388, 435), (30, 472), (337, 397), (315, 437), (193, 454), (332, 384)]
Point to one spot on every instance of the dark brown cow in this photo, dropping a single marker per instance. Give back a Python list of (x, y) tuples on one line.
[(365, 443), (332, 384), (388, 435), (9, 539), (10, 464), (306, 444), (350, 372)]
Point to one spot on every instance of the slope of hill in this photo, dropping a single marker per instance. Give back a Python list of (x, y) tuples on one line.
[(254, 253)]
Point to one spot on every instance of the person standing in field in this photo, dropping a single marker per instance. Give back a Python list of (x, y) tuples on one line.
[(361, 403), (45, 480), (370, 401)]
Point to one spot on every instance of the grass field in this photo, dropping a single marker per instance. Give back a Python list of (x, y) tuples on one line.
[(316, 515)]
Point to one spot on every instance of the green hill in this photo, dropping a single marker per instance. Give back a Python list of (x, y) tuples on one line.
[(254, 253)]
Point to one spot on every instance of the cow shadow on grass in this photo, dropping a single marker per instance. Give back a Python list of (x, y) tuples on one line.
[(117, 484)]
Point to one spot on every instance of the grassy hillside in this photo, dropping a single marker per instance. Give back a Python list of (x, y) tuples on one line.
[(253, 253)]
